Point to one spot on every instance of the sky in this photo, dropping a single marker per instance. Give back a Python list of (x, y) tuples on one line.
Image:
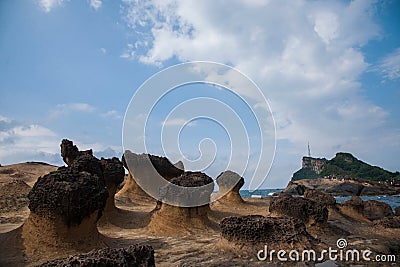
[(330, 71)]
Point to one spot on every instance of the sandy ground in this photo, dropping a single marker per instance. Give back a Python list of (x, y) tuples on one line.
[(188, 246)]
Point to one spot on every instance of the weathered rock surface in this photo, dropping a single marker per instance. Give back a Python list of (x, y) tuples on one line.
[(388, 222), (397, 211), (319, 197), (135, 255), (229, 184), (69, 151), (250, 233), (175, 218), (306, 210), (375, 210), (68, 193), (114, 174), (340, 187), (371, 209)]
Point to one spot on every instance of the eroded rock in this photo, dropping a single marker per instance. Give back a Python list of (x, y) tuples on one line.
[(229, 184), (320, 197)]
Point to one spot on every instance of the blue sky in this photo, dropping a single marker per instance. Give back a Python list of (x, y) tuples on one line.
[(329, 69)]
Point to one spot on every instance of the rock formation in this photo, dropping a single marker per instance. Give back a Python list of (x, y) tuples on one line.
[(388, 222), (397, 211), (65, 206), (321, 198), (109, 170), (69, 151), (175, 219), (229, 184), (114, 174), (135, 255), (246, 235), (308, 211), (139, 172), (371, 209)]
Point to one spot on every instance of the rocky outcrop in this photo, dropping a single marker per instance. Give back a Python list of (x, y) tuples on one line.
[(321, 198), (65, 206), (339, 187), (114, 174), (371, 209), (388, 222), (142, 169), (397, 211), (375, 210), (177, 219), (69, 151), (249, 234), (229, 184), (135, 255), (308, 211)]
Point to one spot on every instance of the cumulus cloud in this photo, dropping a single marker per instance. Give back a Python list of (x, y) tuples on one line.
[(112, 114), (95, 4), (178, 122), (48, 5), (305, 55)]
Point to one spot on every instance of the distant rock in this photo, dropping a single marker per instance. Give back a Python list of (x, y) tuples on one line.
[(308, 211), (339, 187), (371, 209), (135, 255), (388, 222), (319, 197)]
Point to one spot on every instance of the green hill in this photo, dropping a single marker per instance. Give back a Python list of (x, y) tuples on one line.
[(346, 165)]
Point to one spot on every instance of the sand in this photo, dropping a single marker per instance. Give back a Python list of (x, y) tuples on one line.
[(130, 224)]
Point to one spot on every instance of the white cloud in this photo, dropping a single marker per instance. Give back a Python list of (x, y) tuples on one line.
[(389, 66), (71, 107), (48, 5), (95, 4), (178, 122), (103, 50), (112, 114), (305, 55)]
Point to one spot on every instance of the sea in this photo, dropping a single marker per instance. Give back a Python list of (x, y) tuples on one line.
[(393, 201)]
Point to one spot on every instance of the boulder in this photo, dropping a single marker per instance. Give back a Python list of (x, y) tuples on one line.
[(397, 211), (295, 188), (388, 222), (320, 197), (248, 234), (229, 184), (375, 210), (308, 211), (346, 189), (134, 255)]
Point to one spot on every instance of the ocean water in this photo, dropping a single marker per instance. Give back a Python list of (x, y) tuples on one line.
[(393, 201)]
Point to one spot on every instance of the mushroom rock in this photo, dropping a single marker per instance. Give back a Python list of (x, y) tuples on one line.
[(143, 168), (69, 151), (134, 255), (65, 206), (114, 174), (88, 163), (248, 234), (229, 184), (308, 211), (175, 219), (328, 200)]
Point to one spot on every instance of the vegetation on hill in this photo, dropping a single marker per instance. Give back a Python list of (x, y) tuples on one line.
[(346, 165)]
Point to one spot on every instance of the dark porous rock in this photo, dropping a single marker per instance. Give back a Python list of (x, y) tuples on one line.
[(320, 197), (388, 222), (397, 211), (375, 210), (135, 255), (180, 165), (88, 163), (229, 184), (69, 151), (68, 193), (255, 231), (310, 212), (113, 171)]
